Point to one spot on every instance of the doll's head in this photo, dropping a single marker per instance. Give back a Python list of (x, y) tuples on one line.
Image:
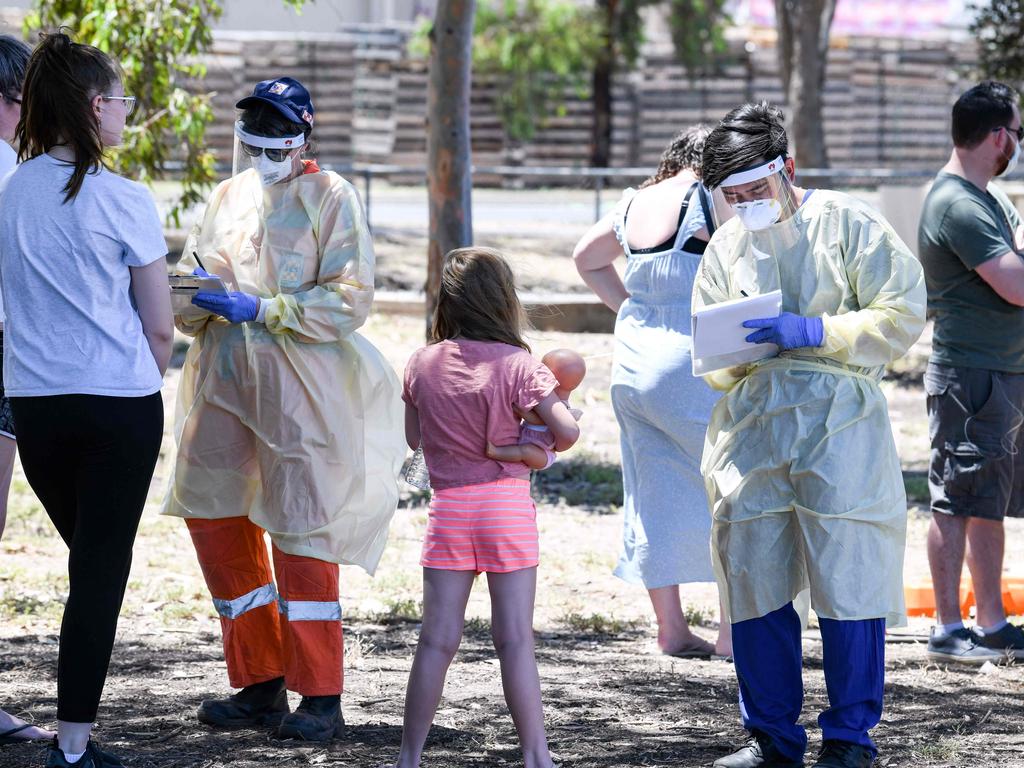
[(568, 368)]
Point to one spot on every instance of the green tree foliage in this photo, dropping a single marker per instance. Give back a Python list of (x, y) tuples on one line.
[(697, 28), (537, 48), (998, 28), (698, 31), (158, 44), (543, 47)]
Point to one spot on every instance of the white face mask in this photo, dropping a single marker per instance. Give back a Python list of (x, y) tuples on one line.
[(270, 172), (758, 214), (1012, 164)]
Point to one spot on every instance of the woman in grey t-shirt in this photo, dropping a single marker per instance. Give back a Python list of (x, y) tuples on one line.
[(87, 339)]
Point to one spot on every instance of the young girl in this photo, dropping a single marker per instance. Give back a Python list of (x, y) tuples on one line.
[(461, 392)]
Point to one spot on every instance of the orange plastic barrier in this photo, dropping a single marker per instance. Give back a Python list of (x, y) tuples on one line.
[(920, 597)]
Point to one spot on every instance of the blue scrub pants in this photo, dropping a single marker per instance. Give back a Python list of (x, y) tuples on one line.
[(768, 661)]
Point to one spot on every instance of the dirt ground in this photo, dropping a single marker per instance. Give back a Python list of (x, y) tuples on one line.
[(610, 699)]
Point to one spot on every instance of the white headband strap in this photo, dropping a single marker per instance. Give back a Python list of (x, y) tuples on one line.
[(266, 142), (753, 174)]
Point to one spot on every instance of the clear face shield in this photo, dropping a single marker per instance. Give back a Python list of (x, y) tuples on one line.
[(759, 197), (273, 158), (764, 200)]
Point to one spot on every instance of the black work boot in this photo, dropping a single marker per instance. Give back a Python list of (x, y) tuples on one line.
[(759, 751), (843, 754), (317, 718), (259, 704)]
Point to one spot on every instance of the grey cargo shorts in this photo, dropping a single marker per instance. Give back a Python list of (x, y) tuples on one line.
[(976, 426)]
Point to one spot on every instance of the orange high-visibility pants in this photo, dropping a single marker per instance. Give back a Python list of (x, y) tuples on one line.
[(292, 630)]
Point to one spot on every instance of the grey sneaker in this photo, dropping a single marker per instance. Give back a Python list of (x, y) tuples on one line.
[(961, 646), (1009, 640)]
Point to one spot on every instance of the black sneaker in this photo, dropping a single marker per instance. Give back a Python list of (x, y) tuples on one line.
[(1009, 640), (843, 754), (263, 703), (962, 646), (317, 718), (758, 752), (94, 757)]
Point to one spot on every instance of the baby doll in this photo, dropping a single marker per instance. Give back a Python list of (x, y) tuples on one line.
[(536, 444)]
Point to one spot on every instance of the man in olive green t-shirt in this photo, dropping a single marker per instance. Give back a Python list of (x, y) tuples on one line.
[(969, 242)]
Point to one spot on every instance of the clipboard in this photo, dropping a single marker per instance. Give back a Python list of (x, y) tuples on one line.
[(184, 287), (719, 338)]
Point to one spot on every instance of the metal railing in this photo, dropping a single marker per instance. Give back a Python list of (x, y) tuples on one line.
[(600, 177)]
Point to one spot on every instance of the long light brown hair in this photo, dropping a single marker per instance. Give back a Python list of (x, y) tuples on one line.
[(477, 299)]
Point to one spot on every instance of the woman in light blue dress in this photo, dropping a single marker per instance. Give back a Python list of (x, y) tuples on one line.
[(661, 408)]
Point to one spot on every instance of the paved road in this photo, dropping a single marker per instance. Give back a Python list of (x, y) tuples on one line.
[(540, 212)]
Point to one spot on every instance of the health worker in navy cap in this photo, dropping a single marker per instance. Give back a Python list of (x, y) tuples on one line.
[(288, 421)]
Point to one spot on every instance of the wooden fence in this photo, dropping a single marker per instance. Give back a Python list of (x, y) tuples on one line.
[(887, 102)]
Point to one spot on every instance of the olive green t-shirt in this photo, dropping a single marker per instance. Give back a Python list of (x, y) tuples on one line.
[(961, 228)]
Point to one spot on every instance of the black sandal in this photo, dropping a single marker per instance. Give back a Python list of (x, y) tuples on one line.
[(7, 737)]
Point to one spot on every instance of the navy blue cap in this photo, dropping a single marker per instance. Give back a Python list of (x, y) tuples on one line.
[(287, 95)]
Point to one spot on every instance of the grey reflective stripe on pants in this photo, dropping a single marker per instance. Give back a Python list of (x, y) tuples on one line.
[(310, 610), (232, 609)]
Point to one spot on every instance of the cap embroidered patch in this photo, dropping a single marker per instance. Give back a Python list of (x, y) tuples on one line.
[(277, 88)]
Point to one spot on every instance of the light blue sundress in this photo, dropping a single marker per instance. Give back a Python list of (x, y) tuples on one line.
[(663, 414)]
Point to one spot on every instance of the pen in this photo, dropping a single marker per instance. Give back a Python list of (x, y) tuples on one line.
[(196, 254), (742, 293)]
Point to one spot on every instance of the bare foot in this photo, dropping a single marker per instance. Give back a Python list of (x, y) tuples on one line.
[(687, 645), (9, 722)]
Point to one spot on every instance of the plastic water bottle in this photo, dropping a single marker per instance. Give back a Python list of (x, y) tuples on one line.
[(416, 475)]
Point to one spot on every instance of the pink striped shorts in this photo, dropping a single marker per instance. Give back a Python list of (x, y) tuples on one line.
[(488, 527)]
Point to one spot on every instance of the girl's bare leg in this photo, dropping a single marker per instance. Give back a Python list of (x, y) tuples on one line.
[(445, 594), (512, 597)]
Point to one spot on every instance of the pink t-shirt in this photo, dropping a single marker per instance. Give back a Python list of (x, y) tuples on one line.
[(464, 391)]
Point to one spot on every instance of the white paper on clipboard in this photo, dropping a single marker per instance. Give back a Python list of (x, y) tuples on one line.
[(719, 338)]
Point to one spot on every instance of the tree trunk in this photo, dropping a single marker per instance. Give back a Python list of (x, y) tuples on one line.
[(803, 30), (601, 128), (449, 161)]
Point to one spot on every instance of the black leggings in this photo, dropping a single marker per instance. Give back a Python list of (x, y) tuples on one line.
[(90, 460)]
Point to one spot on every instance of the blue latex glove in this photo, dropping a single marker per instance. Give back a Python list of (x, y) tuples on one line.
[(787, 331), (200, 272), (236, 307)]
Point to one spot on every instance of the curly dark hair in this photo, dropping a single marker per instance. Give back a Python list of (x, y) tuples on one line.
[(747, 136), (683, 152)]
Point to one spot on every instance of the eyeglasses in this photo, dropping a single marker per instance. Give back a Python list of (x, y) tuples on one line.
[(129, 102), (273, 155), (1018, 131)]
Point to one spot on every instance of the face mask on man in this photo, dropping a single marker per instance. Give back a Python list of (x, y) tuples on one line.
[(758, 214), (1011, 164), (271, 172)]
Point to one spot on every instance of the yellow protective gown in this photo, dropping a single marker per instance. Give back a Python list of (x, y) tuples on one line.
[(296, 423), (799, 462)]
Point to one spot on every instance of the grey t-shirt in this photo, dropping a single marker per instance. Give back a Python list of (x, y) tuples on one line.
[(72, 326), (961, 228)]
